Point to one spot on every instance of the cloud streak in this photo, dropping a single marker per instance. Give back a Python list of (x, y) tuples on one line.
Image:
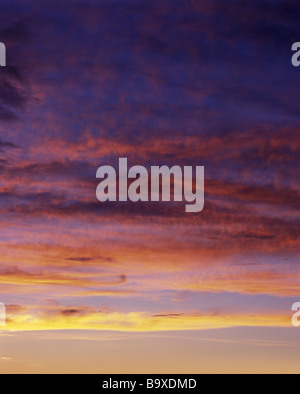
[(178, 83)]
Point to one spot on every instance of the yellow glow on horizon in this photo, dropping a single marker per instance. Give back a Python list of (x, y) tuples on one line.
[(141, 322)]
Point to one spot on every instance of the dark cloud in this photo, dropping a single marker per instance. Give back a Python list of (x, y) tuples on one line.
[(95, 259), (10, 95), (13, 96), (4, 145), (71, 312), (19, 31), (170, 315), (7, 115)]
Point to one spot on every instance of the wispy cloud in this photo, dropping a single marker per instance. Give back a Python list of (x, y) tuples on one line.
[(183, 82)]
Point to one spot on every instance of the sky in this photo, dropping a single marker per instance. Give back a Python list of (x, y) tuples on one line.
[(137, 287)]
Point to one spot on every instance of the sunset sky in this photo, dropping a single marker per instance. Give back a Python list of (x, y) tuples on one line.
[(145, 287)]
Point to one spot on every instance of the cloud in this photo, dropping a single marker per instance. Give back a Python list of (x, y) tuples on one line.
[(178, 82), (14, 275), (7, 145), (138, 322)]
